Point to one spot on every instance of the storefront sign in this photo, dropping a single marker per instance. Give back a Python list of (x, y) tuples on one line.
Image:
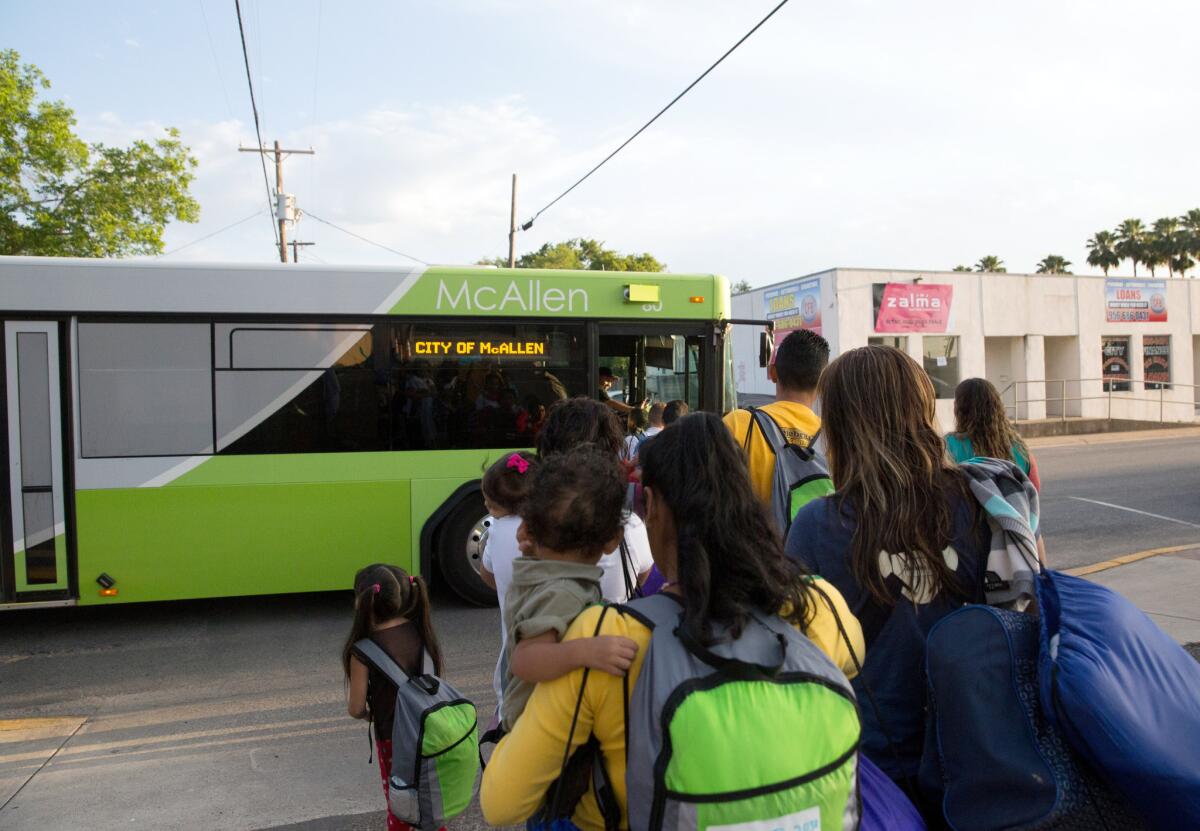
[(794, 306), (1156, 360), (1115, 366), (1135, 301), (911, 307)]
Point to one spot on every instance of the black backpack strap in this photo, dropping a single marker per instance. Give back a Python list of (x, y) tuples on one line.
[(556, 795), (632, 588)]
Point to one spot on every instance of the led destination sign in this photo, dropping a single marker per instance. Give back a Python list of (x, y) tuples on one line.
[(480, 347)]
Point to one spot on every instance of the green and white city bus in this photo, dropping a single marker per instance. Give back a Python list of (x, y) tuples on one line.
[(186, 431)]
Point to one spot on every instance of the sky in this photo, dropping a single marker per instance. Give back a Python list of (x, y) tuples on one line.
[(857, 133)]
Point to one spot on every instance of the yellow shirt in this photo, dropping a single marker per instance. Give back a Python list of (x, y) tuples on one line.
[(799, 425), (529, 759)]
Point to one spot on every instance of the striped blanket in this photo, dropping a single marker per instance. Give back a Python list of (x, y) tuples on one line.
[(1010, 503)]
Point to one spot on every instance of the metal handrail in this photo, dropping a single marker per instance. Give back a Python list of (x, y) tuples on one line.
[(1122, 395)]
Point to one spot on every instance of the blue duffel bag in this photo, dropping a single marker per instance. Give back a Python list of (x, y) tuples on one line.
[(1125, 695), (991, 760)]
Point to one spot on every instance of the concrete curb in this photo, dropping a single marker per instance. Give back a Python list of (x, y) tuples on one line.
[(1111, 438), (1126, 559)]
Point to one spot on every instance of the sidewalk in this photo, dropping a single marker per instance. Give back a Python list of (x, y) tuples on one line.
[(1166, 586), (1110, 438)]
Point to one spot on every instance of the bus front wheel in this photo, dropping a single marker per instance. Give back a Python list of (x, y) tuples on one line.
[(460, 551)]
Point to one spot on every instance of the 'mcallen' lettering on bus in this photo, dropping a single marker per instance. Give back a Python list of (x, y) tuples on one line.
[(533, 299)]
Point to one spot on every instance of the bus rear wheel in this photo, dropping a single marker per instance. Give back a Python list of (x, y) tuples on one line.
[(460, 551)]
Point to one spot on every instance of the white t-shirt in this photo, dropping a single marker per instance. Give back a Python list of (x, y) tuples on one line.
[(501, 549)]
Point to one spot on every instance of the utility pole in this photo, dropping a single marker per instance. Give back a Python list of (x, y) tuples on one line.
[(512, 227), (296, 246), (284, 206)]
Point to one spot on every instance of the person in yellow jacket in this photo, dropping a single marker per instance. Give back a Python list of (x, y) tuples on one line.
[(723, 562), (798, 363)]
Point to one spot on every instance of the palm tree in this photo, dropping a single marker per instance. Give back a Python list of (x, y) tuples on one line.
[(1191, 223), (1167, 241), (1100, 251), (1152, 255), (991, 264), (1053, 264), (1182, 262), (1131, 242)]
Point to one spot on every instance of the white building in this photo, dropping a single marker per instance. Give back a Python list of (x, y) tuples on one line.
[(1090, 347)]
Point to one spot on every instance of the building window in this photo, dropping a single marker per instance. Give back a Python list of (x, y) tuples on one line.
[(1115, 367), (895, 341), (145, 389), (941, 363), (317, 388), (1156, 361)]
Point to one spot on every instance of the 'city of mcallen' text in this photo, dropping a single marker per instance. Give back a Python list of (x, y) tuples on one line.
[(529, 297)]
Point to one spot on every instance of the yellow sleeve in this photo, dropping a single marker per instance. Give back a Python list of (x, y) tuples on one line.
[(528, 760), (828, 607), (736, 422)]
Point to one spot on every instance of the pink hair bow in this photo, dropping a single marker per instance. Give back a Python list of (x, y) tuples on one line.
[(516, 461), (375, 587)]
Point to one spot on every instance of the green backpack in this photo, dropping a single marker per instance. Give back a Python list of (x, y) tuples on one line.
[(753, 734), (435, 744), (801, 473)]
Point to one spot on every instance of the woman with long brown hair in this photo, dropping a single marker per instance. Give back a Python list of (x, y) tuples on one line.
[(899, 538), (982, 428)]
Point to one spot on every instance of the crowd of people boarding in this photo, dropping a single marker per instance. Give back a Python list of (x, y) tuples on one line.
[(652, 606)]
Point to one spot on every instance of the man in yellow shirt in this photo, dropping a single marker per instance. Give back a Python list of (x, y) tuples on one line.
[(798, 363)]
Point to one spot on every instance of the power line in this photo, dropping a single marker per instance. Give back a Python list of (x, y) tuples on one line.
[(213, 234), (642, 129), (312, 215), (216, 62), (254, 106)]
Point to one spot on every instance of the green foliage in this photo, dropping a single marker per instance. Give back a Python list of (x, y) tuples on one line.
[(580, 254), (962, 268), (742, 286), (1131, 242), (991, 264), (1053, 264), (1102, 252), (60, 196)]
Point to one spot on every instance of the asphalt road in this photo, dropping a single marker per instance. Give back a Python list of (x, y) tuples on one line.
[(1151, 491), (229, 714)]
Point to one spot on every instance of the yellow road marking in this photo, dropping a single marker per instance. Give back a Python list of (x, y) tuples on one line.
[(1082, 571)]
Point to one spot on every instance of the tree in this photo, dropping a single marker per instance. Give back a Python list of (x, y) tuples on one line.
[(581, 254), (1191, 224), (1053, 264), (962, 268), (60, 196), (1168, 240), (742, 286), (1101, 252), (991, 264), (1131, 242)]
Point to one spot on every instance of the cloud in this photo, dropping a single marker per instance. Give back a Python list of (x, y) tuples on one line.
[(133, 43)]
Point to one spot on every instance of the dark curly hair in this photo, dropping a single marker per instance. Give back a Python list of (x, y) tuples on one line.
[(507, 483), (575, 421), (577, 501), (731, 561)]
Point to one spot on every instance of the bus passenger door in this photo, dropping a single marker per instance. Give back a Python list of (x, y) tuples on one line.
[(34, 562)]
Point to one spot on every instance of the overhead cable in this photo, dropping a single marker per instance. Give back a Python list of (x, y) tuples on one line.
[(213, 234), (257, 128), (582, 179), (312, 215)]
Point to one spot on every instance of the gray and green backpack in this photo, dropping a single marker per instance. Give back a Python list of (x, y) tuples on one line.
[(801, 473), (752, 734), (435, 744)]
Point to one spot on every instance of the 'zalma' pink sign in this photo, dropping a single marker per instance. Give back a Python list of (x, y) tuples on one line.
[(912, 307)]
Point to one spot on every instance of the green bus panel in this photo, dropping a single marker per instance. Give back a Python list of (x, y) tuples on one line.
[(175, 543), (244, 525)]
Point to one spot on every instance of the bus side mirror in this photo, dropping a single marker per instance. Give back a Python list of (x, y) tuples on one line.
[(766, 346)]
